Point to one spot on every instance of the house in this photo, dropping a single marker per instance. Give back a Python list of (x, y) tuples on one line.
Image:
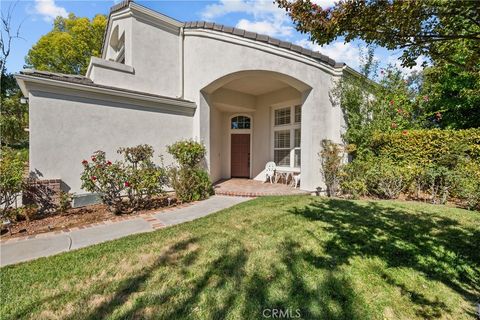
[(248, 97)]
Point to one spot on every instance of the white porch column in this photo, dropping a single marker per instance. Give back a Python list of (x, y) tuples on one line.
[(312, 133), (202, 125)]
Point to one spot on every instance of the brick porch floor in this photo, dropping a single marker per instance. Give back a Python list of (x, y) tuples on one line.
[(253, 188)]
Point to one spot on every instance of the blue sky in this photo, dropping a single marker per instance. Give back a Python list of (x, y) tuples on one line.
[(260, 16)]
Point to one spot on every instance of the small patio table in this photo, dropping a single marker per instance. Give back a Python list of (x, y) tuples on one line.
[(285, 173)]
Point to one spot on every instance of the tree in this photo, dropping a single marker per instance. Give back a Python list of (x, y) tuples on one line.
[(13, 114), (8, 34), (69, 46), (391, 103), (429, 27), (453, 94)]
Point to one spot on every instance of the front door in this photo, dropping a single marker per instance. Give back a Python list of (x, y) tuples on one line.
[(240, 156)]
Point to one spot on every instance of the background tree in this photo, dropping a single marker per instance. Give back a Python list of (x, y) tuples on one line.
[(447, 32), (453, 93), (392, 103), (69, 46), (13, 114), (432, 28)]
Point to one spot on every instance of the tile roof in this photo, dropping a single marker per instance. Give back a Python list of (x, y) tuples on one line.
[(79, 79), (263, 38), (249, 35)]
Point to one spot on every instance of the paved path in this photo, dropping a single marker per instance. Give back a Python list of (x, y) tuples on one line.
[(49, 244)]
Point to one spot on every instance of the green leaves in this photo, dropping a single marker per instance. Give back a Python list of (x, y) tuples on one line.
[(12, 169), (429, 27), (69, 46)]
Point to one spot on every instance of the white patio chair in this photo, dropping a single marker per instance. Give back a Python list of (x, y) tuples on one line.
[(296, 180), (270, 171)]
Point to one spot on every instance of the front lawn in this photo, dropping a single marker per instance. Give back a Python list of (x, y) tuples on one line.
[(330, 259)]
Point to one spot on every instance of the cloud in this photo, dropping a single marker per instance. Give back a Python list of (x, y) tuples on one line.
[(266, 17), (49, 10), (338, 51), (395, 61), (265, 27)]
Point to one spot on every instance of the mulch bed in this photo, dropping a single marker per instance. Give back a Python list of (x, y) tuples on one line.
[(75, 217)]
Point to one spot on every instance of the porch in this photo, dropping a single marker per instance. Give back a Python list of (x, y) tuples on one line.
[(254, 188)]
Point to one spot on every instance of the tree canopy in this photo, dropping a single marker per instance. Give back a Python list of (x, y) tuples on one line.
[(432, 28), (69, 46)]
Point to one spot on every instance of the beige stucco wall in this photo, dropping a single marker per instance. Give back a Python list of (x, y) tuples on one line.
[(154, 52), (67, 128), (208, 58)]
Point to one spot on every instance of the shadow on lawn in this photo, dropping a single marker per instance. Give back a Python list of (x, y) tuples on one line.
[(216, 284), (227, 267), (439, 247)]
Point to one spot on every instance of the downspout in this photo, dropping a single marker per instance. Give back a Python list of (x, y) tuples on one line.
[(182, 62)]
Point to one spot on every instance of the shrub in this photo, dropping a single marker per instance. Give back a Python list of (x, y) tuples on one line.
[(12, 169), (65, 201), (331, 157), (425, 146), (353, 180), (191, 184), (106, 178), (126, 185), (386, 179), (144, 178), (439, 181), (468, 186), (190, 181), (188, 153)]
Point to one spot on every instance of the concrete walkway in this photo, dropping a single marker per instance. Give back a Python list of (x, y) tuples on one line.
[(50, 243)]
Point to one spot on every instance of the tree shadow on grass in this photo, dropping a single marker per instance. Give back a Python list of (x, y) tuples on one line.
[(439, 247), (172, 301), (134, 284)]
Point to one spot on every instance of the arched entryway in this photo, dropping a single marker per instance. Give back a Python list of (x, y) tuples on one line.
[(254, 117)]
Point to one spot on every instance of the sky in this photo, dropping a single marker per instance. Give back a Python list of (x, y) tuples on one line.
[(262, 16)]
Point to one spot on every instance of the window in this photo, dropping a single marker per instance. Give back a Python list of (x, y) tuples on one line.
[(281, 151), (240, 122), (282, 116), (287, 136), (298, 114)]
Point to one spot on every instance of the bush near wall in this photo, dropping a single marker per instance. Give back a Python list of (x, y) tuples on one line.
[(189, 180), (439, 163), (425, 146)]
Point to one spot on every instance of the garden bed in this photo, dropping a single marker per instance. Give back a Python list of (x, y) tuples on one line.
[(75, 217)]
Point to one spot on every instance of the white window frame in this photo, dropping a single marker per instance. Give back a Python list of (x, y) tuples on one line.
[(292, 126)]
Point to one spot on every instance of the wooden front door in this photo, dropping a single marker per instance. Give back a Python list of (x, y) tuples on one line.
[(240, 156)]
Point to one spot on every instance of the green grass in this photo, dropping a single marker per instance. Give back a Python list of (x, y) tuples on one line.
[(330, 259)]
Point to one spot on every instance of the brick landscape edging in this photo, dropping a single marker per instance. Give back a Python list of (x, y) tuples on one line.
[(156, 224)]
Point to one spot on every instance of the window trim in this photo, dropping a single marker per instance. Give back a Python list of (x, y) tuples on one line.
[(292, 126)]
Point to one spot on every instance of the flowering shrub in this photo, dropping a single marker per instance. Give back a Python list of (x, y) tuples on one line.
[(12, 168), (189, 180), (105, 178), (126, 185)]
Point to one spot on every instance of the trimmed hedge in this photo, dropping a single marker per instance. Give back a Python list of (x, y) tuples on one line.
[(425, 146)]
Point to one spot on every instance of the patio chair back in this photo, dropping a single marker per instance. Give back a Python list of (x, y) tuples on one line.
[(270, 167), (270, 171)]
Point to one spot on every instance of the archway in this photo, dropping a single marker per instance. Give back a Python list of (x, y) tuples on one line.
[(272, 102)]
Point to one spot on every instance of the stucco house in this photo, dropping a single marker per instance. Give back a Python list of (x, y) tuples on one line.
[(248, 97)]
